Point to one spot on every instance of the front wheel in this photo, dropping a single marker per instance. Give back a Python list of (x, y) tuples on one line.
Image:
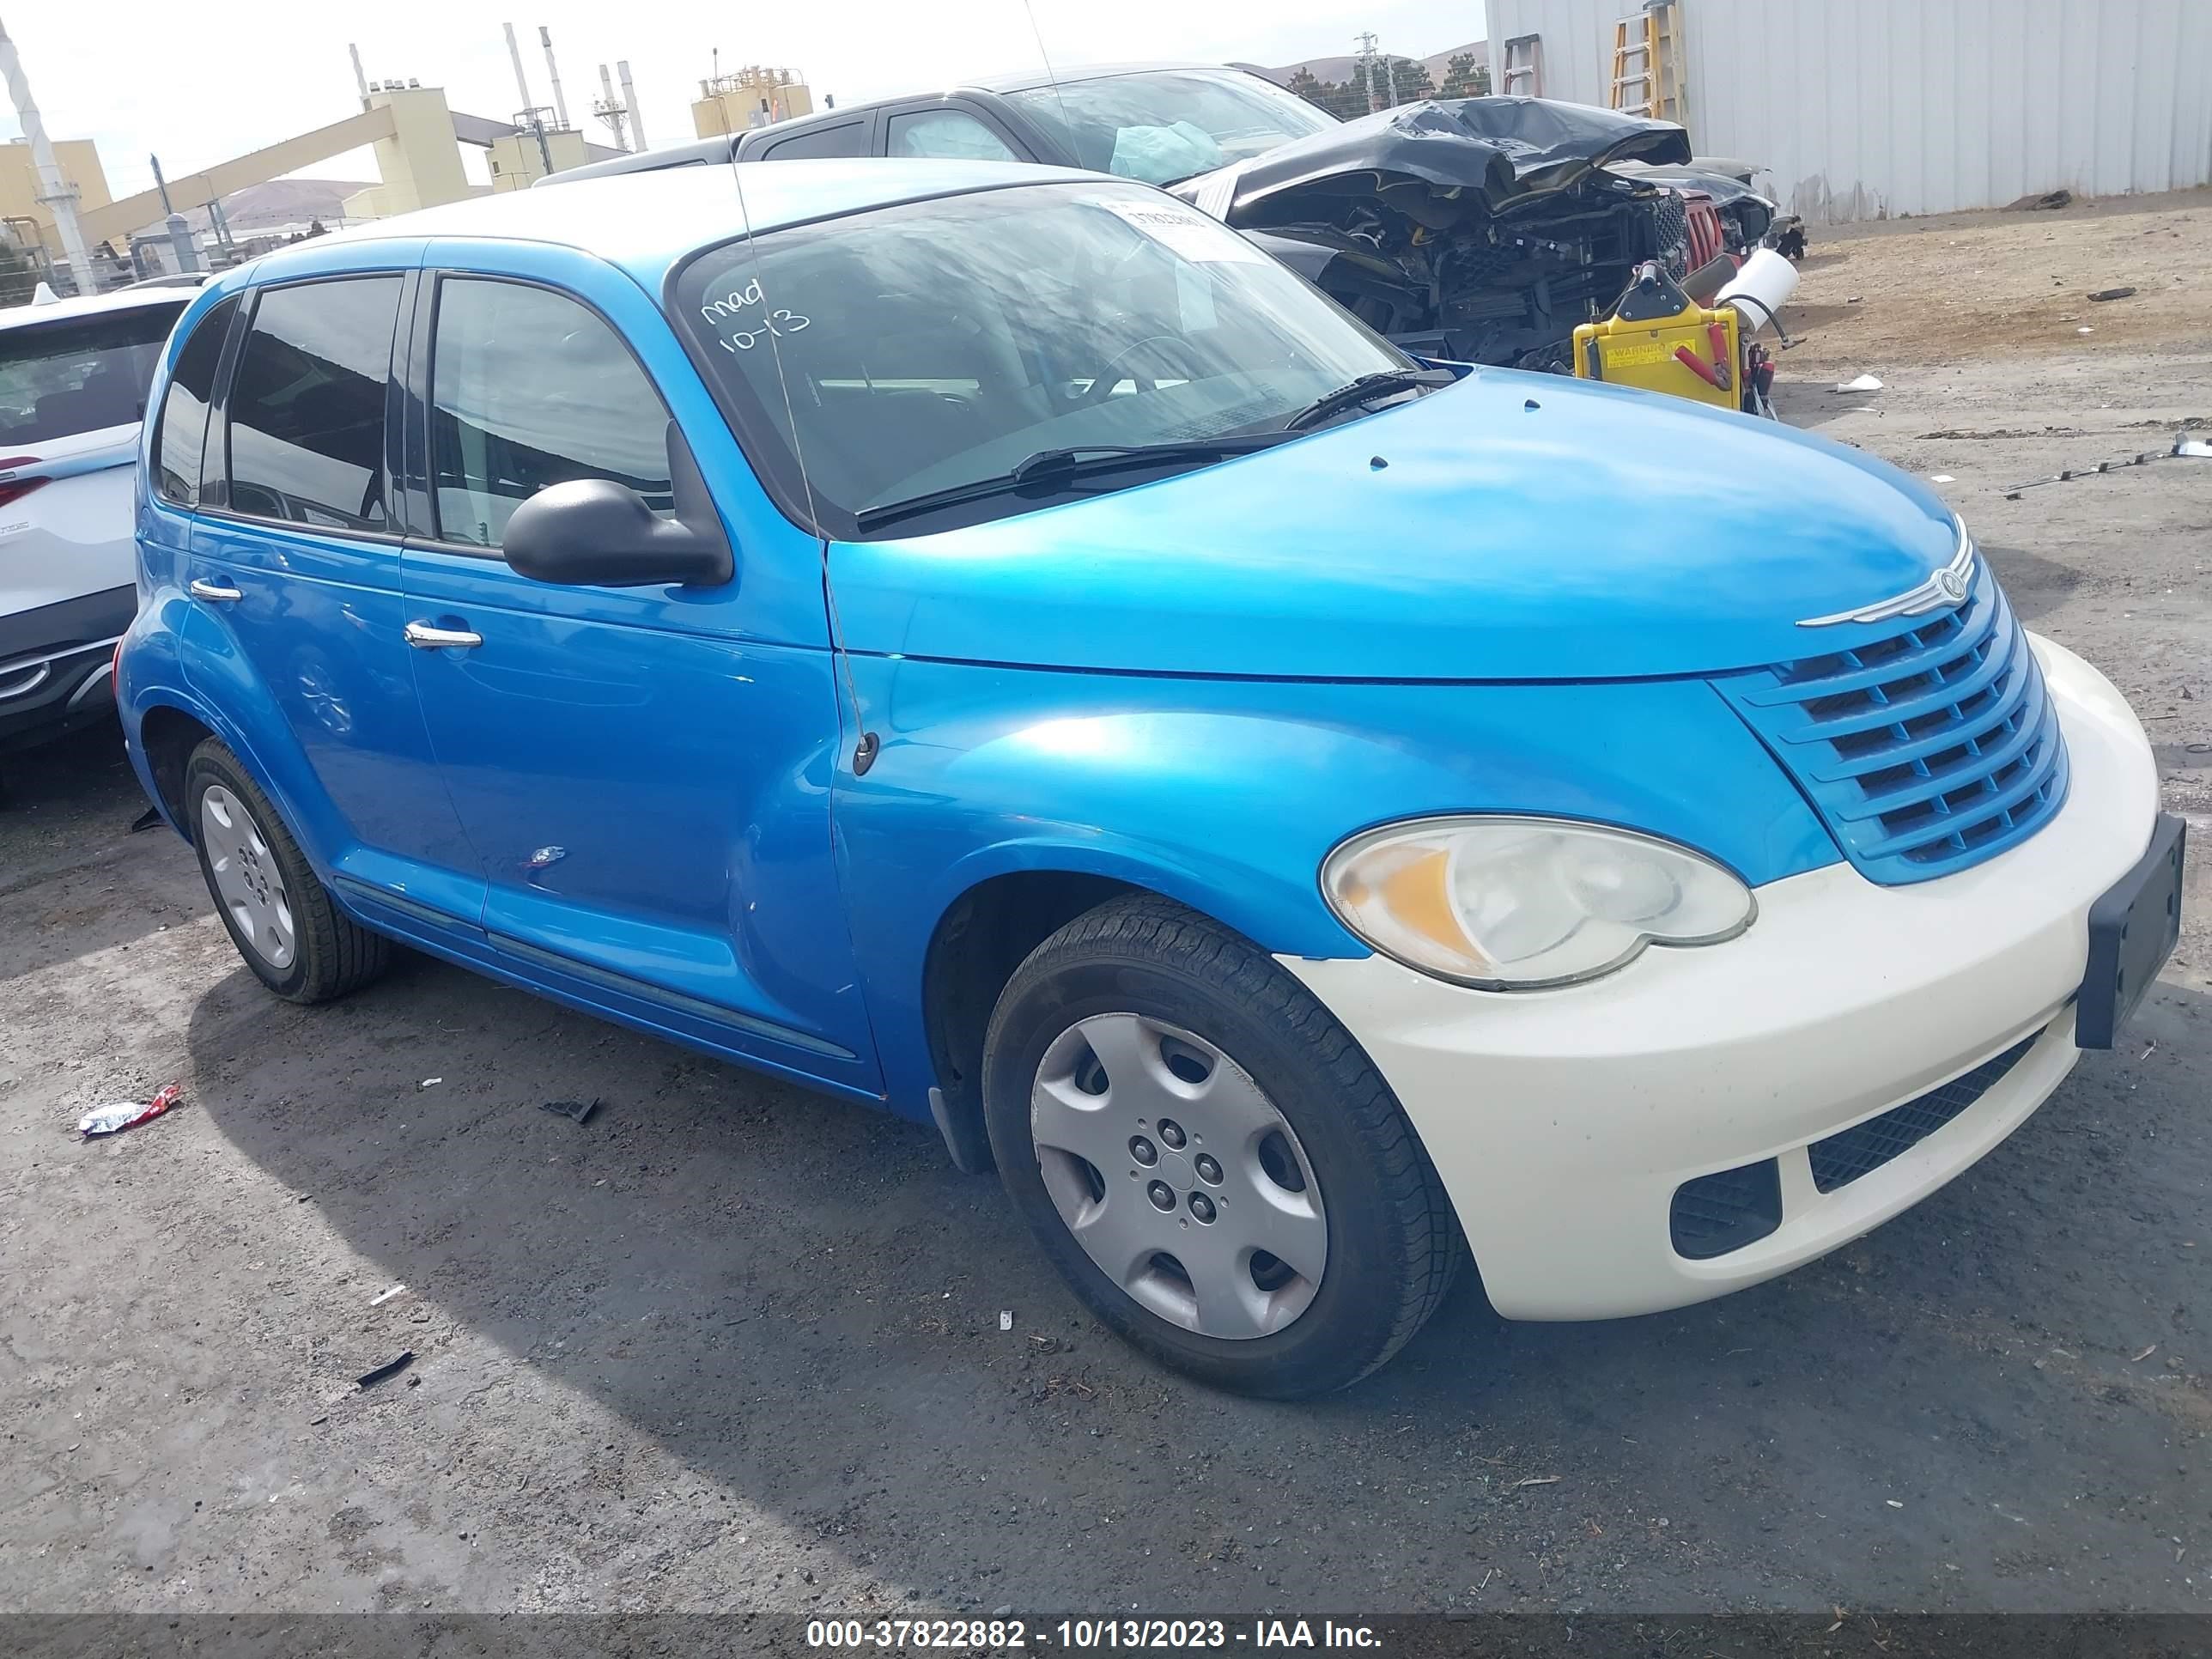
[(1208, 1156)]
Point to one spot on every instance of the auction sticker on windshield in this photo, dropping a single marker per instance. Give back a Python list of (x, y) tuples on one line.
[(1187, 232)]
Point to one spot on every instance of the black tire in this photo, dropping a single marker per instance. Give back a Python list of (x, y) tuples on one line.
[(1393, 1244), (333, 954)]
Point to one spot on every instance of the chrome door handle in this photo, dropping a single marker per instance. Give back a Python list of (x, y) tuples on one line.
[(424, 637), (215, 595)]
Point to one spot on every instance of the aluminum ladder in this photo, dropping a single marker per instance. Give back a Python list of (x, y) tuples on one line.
[(1523, 76)]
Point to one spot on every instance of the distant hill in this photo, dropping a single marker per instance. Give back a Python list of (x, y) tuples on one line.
[(1341, 69), (290, 201), (279, 202)]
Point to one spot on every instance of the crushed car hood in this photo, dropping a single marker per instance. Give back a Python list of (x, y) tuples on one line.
[(1502, 148), (1723, 187), (1510, 526)]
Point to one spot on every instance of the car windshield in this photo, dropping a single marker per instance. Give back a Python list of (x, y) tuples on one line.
[(1167, 124), (939, 343), (79, 373)]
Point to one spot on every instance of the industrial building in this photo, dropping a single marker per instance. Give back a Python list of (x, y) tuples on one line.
[(28, 219), (751, 97), (1884, 107), (55, 207)]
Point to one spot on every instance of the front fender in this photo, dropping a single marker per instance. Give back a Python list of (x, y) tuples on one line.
[(1226, 795)]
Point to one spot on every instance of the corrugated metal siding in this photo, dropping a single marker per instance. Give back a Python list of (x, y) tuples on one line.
[(1872, 108)]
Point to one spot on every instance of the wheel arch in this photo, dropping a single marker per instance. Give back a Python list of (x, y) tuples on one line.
[(987, 930), (167, 734), (164, 725)]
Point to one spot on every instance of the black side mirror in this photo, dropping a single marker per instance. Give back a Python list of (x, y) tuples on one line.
[(595, 533)]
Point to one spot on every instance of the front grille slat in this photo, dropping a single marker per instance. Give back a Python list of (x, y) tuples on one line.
[(1981, 764), (1921, 646), (1990, 804), (1911, 699), (1876, 758), (1926, 749)]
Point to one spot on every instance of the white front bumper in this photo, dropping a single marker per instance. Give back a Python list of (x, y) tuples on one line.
[(1562, 1122)]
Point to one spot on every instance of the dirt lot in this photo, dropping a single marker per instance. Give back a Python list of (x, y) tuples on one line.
[(1961, 287), (731, 1346)]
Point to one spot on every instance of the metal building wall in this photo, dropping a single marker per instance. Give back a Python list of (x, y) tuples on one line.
[(1872, 108)]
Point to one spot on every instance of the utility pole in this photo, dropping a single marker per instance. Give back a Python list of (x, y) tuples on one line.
[(1367, 40)]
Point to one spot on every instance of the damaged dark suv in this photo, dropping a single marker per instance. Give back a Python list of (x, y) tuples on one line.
[(1481, 230)]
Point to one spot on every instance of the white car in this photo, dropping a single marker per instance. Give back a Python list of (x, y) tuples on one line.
[(73, 380)]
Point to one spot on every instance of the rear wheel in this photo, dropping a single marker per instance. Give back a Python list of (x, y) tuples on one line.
[(284, 921), (1208, 1158)]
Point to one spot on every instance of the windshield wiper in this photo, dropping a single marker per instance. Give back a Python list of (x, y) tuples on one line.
[(1366, 387), (1080, 460)]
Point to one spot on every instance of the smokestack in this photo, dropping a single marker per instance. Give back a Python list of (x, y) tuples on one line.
[(522, 82), (629, 103), (53, 192), (360, 80), (559, 104), (613, 112)]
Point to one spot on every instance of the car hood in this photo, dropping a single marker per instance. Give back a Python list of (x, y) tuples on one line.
[(1724, 188), (1500, 150), (1509, 526)]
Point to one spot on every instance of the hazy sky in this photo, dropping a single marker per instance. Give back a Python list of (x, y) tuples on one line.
[(197, 83)]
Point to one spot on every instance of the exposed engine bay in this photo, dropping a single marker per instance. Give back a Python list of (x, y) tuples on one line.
[(1485, 229)]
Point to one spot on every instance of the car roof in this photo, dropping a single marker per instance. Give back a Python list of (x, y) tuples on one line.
[(92, 305), (718, 149), (711, 152), (644, 223), (1089, 72)]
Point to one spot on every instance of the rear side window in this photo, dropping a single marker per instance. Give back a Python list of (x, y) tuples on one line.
[(80, 374), (307, 404), (181, 443), (947, 132), (530, 388), (845, 138)]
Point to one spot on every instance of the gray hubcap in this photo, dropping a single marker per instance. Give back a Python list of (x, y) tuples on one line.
[(247, 882), (1178, 1175)]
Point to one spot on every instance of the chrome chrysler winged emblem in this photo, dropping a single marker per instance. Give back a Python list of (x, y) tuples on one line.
[(1947, 588)]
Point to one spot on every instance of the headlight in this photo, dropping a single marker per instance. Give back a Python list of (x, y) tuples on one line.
[(1518, 903)]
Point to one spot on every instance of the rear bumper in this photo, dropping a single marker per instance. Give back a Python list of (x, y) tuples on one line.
[(54, 663), (1563, 1123)]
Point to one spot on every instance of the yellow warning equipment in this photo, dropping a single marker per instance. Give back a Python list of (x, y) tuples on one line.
[(1662, 340)]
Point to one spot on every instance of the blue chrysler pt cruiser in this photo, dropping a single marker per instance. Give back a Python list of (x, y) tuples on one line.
[(988, 641)]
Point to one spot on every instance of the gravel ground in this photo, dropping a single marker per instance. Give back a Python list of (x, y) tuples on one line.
[(728, 1344)]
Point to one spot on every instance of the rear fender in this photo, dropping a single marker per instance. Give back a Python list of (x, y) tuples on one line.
[(175, 658)]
